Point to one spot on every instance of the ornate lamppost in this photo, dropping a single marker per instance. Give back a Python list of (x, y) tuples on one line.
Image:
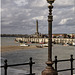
[(49, 69)]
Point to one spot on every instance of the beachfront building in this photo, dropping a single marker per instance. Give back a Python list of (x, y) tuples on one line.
[(72, 35), (59, 35)]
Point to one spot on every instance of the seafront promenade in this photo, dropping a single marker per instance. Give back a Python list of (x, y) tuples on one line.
[(45, 40), (39, 56)]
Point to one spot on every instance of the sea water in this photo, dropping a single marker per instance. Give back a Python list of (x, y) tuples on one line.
[(8, 41), (39, 56)]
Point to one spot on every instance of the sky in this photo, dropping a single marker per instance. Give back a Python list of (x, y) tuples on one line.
[(19, 16)]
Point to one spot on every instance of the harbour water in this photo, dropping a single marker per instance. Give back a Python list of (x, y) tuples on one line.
[(8, 41), (39, 56)]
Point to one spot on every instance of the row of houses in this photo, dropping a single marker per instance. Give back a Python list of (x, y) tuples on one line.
[(63, 35), (53, 35)]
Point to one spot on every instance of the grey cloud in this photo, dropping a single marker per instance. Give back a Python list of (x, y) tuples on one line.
[(21, 16), (21, 2)]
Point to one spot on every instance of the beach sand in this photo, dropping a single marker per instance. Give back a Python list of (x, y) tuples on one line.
[(11, 48)]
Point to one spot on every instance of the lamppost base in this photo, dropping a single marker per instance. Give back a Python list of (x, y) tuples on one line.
[(49, 71)]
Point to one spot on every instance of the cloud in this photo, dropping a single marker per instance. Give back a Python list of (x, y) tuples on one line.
[(21, 2), (7, 23), (64, 21), (9, 15), (19, 16), (64, 3), (38, 18), (37, 3), (1, 10)]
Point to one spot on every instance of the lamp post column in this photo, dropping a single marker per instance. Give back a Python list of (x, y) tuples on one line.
[(49, 69)]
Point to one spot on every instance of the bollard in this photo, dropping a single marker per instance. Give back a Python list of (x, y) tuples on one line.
[(71, 64), (30, 65), (5, 67), (56, 63)]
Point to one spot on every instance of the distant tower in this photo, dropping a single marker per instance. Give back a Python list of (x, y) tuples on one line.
[(36, 26), (37, 33)]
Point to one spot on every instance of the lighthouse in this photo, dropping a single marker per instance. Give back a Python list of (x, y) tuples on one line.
[(37, 33)]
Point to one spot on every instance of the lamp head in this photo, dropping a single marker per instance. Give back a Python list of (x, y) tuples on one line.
[(50, 1)]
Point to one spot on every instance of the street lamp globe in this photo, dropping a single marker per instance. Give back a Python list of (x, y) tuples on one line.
[(50, 1)]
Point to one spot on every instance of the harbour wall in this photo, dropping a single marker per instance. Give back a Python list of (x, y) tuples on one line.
[(45, 40)]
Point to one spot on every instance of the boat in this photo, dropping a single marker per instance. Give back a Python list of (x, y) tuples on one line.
[(42, 45), (73, 43), (45, 45), (16, 41), (41, 42), (20, 41), (23, 44), (39, 46), (66, 44)]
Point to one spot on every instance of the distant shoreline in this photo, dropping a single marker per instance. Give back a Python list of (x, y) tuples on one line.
[(14, 35)]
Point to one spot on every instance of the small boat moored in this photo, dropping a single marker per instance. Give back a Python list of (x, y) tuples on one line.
[(23, 44), (40, 46), (73, 43)]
